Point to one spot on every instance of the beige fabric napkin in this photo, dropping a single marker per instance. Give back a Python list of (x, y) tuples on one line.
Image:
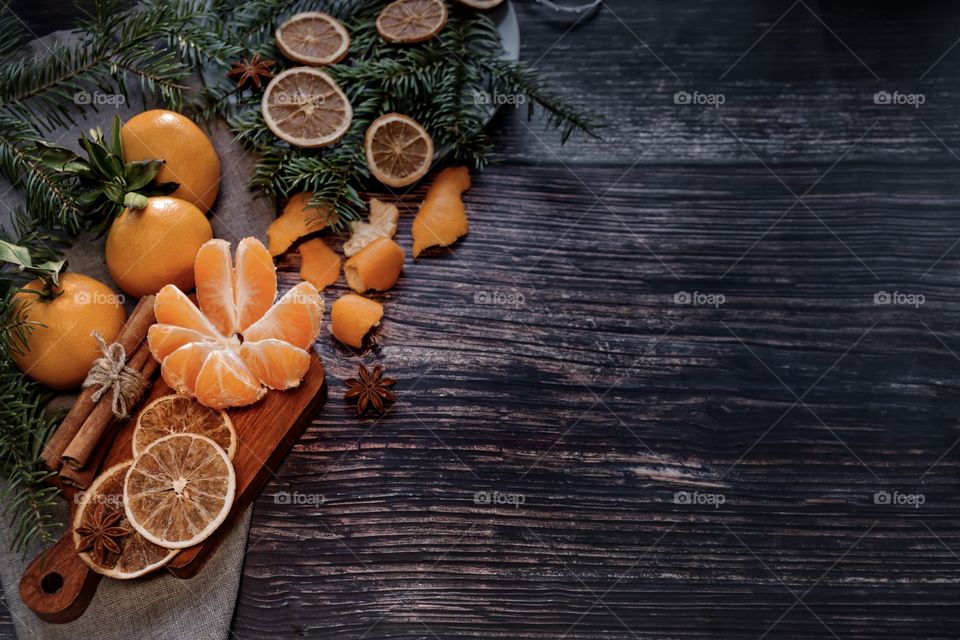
[(160, 606)]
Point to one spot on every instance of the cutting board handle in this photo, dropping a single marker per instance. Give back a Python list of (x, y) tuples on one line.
[(58, 586)]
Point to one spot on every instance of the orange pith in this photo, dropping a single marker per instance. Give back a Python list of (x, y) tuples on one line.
[(442, 218), (238, 343)]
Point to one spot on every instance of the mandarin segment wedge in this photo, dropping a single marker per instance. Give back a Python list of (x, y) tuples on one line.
[(138, 556), (256, 279), (181, 368), (213, 271), (179, 490), (172, 306), (164, 339), (278, 364), (225, 381)]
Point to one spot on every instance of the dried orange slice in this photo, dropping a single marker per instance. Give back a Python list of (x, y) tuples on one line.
[(180, 414), (352, 317), (481, 4), (179, 490), (399, 151), (306, 107), (410, 21), (382, 224), (320, 265), (313, 38), (377, 266), (442, 218), (100, 511), (297, 220), (209, 364)]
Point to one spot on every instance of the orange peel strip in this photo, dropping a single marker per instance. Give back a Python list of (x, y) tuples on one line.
[(377, 266), (320, 264), (296, 221), (352, 317), (442, 218)]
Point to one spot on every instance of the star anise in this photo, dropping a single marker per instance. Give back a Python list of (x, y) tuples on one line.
[(100, 534), (371, 390), (253, 71)]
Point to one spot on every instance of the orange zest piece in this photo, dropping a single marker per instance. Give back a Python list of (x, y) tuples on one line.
[(295, 318), (442, 218), (236, 366), (320, 264), (278, 364), (352, 317), (297, 220), (377, 266)]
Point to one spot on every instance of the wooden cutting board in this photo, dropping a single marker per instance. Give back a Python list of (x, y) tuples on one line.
[(58, 586)]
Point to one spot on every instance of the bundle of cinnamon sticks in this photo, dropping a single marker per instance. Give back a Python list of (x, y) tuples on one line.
[(78, 447)]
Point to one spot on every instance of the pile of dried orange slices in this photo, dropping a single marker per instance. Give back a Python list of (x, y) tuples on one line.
[(174, 494)]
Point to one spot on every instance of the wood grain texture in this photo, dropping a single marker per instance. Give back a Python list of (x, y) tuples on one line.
[(597, 398)]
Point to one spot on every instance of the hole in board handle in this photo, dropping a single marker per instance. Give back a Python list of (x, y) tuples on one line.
[(52, 582)]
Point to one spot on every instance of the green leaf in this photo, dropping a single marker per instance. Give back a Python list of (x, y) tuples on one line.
[(55, 157), (114, 192), (141, 173), (162, 189), (14, 254), (116, 142), (98, 157)]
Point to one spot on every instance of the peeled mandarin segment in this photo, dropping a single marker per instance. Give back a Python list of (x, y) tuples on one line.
[(172, 306), (256, 282), (382, 224), (213, 271), (295, 318), (352, 317), (164, 339), (181, 368), (296, 221), (442, 218), (377, 266), (320, 264), (225, 381), (276, 363)]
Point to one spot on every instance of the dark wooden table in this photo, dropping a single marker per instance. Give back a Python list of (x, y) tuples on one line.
[(776, 458)]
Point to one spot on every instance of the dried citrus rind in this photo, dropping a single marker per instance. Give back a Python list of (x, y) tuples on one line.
[(320, 265), (481, 4), (398, 149), (411, 21), (382, 223), (377, 266), (352, 317), (297, 220), (442, 218), (313, 38), (181, 414), (179, 490), (306, 108), (139, 556)]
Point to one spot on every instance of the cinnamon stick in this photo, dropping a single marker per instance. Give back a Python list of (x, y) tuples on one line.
[(131, 335), (101, 420), (83, 478)]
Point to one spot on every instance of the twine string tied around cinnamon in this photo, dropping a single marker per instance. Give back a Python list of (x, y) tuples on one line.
[(111, 373)]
